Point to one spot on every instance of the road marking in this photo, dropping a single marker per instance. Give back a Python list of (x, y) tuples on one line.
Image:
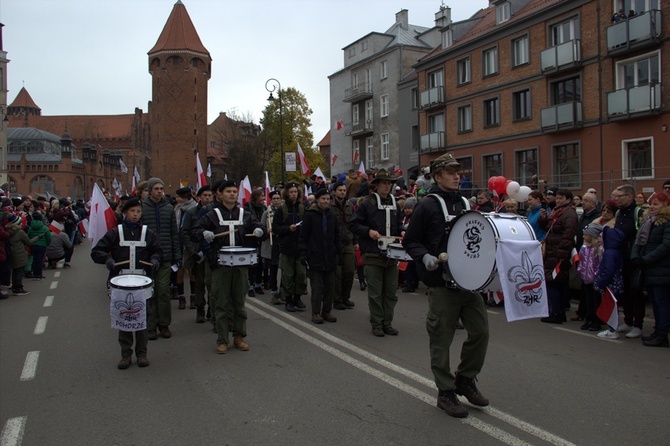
[(591, 336), (48, 301), (12, 433), (430, 399), (57, 274), (30, 366), (54, 285), (41, 325)]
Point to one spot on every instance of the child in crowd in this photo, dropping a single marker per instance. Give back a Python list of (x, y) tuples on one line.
[(610, 270), (589, 260), (18, 242)]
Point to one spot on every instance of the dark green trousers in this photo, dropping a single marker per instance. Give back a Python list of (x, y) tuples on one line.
[(126, 342), (382, 286), (293, 276), (161, 316), (229, 288), (344, 276), (203, 282), (445, 307)]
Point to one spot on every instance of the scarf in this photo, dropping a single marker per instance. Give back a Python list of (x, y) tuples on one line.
[(642, 236)]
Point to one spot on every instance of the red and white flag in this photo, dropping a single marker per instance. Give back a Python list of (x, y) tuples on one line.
[(556, 271), (102, 217), (244, 191), (608, 310), (209, 170), (56, 227), (361, 170), (319, 173), (303, 161), (124, 168), (83, 226), (574, 257), (267, 188), (202, 180), (333, 160), (136, 175), (133, 190)]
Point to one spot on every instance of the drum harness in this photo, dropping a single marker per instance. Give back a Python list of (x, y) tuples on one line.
[(447, 218), (231, 224), (387, 208), (133, 245)]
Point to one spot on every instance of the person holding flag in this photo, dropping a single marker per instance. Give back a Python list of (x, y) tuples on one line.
[(609, 280)]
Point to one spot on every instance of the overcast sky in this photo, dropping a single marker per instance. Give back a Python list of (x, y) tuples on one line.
[(89, 57)]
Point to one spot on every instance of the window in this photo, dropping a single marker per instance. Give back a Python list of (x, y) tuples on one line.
[(526, 166), (638, 158), (352, 51), (384, 69), (465, 118), (356, 151), (384, 104), (354, 114), (364, 45), (645, 70), (368, 79), (435, 79), (368, 112), (521, 105), (369, 152), (566, 90), (637, 6), (490, 61), (466, 175), (385, 146), (354, 80), (415, 98), (463, 71), (566, 166), (491, 112), (520, 51), (41, 184), (436, 123), (565, 31), (447, 38), (492, 165), (503, 13)]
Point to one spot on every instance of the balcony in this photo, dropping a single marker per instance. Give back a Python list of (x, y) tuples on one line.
[(432, 142), (358, 92), (561, 116), (432, 98), (360, 128), (560, 57), (640, 100), (635, 32)]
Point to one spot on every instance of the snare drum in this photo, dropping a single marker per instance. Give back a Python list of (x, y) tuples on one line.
[(237, 256), (142, 287), (396, 251), (472, 246), (128, 295)]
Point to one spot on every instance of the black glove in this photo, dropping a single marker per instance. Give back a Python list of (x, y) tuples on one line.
[(155, 264), (110, 263)]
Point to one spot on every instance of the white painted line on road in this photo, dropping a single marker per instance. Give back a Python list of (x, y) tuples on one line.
[(30, 366), (492, 312), (514, 421), (54, 285), (591, 336), (57, 274), (48, 301), (482, 426), (12, 433), (41, 325)]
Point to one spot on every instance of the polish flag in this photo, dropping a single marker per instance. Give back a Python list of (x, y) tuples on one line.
[(574, 257), (202, 180), (124, 168), (102, 217), (83, 226), (56, 227), (133, 189), (361, 169), (136, 175), (245, 191), (303, 161), (608, 310), (319, 173), (267, 188), (556, 271)]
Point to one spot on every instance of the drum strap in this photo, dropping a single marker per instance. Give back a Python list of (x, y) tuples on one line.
[(231, 224), (132, 245), (443, 205), (387, 209)]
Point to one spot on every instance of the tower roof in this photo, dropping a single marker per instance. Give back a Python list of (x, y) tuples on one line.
[(179, 34), (23, 99)]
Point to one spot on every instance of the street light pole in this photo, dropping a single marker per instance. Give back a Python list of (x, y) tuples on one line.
[(277, 88)]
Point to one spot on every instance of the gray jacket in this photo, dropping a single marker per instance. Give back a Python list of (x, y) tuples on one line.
[(160, 218)]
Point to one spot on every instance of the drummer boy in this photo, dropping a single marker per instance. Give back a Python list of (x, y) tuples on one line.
[(228, 226), (139, 243)]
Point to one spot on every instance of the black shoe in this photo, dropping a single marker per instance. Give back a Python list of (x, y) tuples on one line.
[(468, 388), (290, 307), (151, 335), (125, 362), (585, 325), (378, 332), (661, 340), (390, 331), (349, 304), (339, 306), (298, 304), (554, 319), (363, 285), (651, 336), (259, 290), (409, 289), (595, 326), (448, 402), (251, 293)]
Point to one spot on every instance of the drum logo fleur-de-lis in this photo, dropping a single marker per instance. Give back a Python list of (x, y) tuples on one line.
[(130, 308), (527, 279)]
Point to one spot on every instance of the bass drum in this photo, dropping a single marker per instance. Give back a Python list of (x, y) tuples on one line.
[(472, 246)]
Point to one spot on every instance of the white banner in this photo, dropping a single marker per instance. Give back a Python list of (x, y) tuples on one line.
[(290, 161), (128, 308), (521, 274)]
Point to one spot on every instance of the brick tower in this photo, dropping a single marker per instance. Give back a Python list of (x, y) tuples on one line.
[(180, 67)]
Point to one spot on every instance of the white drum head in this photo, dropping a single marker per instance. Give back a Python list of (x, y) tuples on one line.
[(472, 250), (130, 282)]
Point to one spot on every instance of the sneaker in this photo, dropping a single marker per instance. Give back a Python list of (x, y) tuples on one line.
[(4, 294), (448, 402), (634, 333), (222, 349), (390, 331), (142, 361), (328, 317), (251, 293), (608, 334), (349, 304), (275, 300), (20, 292), (67, 265), (298, 304), (151, 335), (316, 318), (290, 308), (340, 306), (377, 331), (585, 325), (468, 388), (125, 362), (239, 343), (624, 328), (259, 290), (595, 326)]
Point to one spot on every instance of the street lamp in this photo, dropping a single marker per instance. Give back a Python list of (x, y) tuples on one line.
[(277, 88)]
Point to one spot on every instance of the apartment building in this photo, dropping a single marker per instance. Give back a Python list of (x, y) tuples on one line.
[(551, 93)]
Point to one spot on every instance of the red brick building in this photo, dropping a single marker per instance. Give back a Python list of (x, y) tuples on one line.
[(551, 93)]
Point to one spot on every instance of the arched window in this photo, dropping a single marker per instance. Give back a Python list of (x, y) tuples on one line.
[(78, 191), (35, 147), (12, 185), (41, 184), (17, 147)]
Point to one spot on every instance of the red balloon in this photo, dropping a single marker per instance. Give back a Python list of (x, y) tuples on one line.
[(500, 185), (491, 183)]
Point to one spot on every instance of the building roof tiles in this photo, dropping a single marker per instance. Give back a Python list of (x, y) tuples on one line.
[(179, 33)]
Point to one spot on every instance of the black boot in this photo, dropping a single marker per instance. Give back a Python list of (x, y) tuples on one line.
[(651, 336), (468, 388), (289, 305), (298, 303), (661, 340)]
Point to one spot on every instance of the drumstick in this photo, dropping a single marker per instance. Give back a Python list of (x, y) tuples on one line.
[(443, 257), (125, 262), (146, 263), (221, 234)]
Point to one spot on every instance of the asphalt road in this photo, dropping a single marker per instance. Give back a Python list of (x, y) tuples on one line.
[(302, 384)]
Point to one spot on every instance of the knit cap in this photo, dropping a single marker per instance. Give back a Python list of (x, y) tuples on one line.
[(593, 229), (152, 182)]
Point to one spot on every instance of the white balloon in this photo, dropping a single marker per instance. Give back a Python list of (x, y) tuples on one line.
[(513, 189), (522, 195)]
